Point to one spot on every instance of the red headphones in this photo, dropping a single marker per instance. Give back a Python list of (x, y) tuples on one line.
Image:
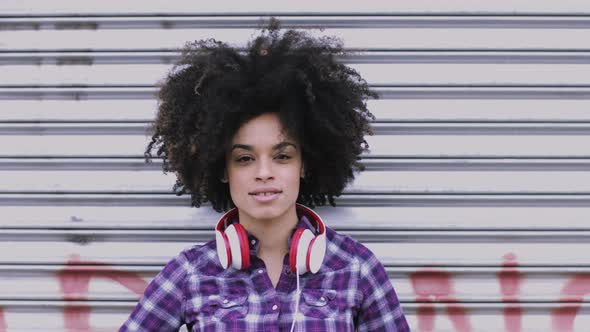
[(306, 252)]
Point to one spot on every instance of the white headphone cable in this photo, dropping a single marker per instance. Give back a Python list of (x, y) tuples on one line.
[(297, 296)]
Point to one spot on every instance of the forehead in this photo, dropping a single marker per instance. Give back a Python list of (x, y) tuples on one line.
[(265, 129)]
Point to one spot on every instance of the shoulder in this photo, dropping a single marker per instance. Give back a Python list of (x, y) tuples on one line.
[(198, 251), (342, 251), (196, 257)]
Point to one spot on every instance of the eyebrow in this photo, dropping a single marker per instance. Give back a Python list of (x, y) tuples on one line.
[(251, 148)]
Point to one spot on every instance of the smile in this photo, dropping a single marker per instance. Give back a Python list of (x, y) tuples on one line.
[(265, 193)]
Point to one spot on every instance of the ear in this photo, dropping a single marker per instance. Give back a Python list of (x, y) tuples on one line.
[(224, 179), (302, 173)]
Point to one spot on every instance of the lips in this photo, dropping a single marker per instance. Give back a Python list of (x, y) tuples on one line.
[(266, 191), (265, 195)]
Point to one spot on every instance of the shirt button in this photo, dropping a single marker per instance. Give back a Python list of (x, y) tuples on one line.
[(275, 307), (323, 299), (253, 241), (225, 301), (260, 271)]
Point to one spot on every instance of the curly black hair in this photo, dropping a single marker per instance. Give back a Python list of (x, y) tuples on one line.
[(215, 88)]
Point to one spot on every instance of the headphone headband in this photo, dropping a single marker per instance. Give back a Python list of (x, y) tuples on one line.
[(316, 220), (320, 229), (222, 223), (306, 251)]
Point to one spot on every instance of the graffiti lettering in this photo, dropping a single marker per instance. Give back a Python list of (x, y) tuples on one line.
[(74, 282), (572, 292), (2, 321), (510, 280), (431, 286)]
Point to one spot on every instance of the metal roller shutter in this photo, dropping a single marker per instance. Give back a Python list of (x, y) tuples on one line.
[(477, 191)]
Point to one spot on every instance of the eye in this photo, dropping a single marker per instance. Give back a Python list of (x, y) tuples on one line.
[(283, 157), (244, 159)]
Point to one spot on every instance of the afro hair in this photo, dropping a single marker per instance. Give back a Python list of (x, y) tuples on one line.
[(215, 88)]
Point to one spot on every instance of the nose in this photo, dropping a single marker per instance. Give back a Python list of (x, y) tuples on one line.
[(264, 170)]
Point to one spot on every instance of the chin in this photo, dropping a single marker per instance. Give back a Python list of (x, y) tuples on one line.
[(266, 211)]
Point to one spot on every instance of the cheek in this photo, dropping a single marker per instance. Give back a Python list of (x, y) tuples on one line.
[(293, 180), (236, 182)]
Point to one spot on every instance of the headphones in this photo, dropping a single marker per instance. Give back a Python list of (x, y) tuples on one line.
[(306, 252)]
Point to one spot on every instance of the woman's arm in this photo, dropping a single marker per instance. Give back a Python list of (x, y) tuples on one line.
[(380, 309), (161, 308)]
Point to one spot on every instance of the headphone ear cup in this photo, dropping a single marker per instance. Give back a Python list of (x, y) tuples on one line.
[(244, 246), (316, 253), (293, 249), (238, 243), (298, 253), (223, 249)]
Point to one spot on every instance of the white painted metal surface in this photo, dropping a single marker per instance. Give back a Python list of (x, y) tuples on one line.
[(308, 6), (476, 196), (384, 109), (378, 74), (369, 38)]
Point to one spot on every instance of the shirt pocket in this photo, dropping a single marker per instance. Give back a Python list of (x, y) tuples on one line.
[(225, 307), (319, 303)]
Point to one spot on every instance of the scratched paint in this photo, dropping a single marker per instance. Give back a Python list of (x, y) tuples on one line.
[(74, 282)]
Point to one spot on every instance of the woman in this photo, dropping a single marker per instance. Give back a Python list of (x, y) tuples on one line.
[(268, 134)]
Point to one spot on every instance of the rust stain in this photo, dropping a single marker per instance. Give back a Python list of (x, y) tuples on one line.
[(74, 60), (76, 25)]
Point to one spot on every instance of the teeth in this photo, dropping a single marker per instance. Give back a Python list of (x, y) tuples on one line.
[(264, 194)]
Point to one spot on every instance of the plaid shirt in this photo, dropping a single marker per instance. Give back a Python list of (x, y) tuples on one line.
[(350, 291)]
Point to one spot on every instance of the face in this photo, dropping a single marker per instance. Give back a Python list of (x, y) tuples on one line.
[(263, 169)]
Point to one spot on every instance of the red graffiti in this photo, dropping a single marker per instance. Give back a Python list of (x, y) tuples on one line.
[(2, 321), (430, 286), (510, 279), (436, 286), (573, 295), (425, 314), (74, 282)]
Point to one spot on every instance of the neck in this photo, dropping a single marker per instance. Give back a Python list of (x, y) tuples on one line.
[(273, 234)]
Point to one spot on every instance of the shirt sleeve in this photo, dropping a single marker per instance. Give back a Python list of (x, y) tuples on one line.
[(161, 308), (380, 309)]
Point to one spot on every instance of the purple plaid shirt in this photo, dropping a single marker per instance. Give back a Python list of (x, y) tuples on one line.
[(350, 291)]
